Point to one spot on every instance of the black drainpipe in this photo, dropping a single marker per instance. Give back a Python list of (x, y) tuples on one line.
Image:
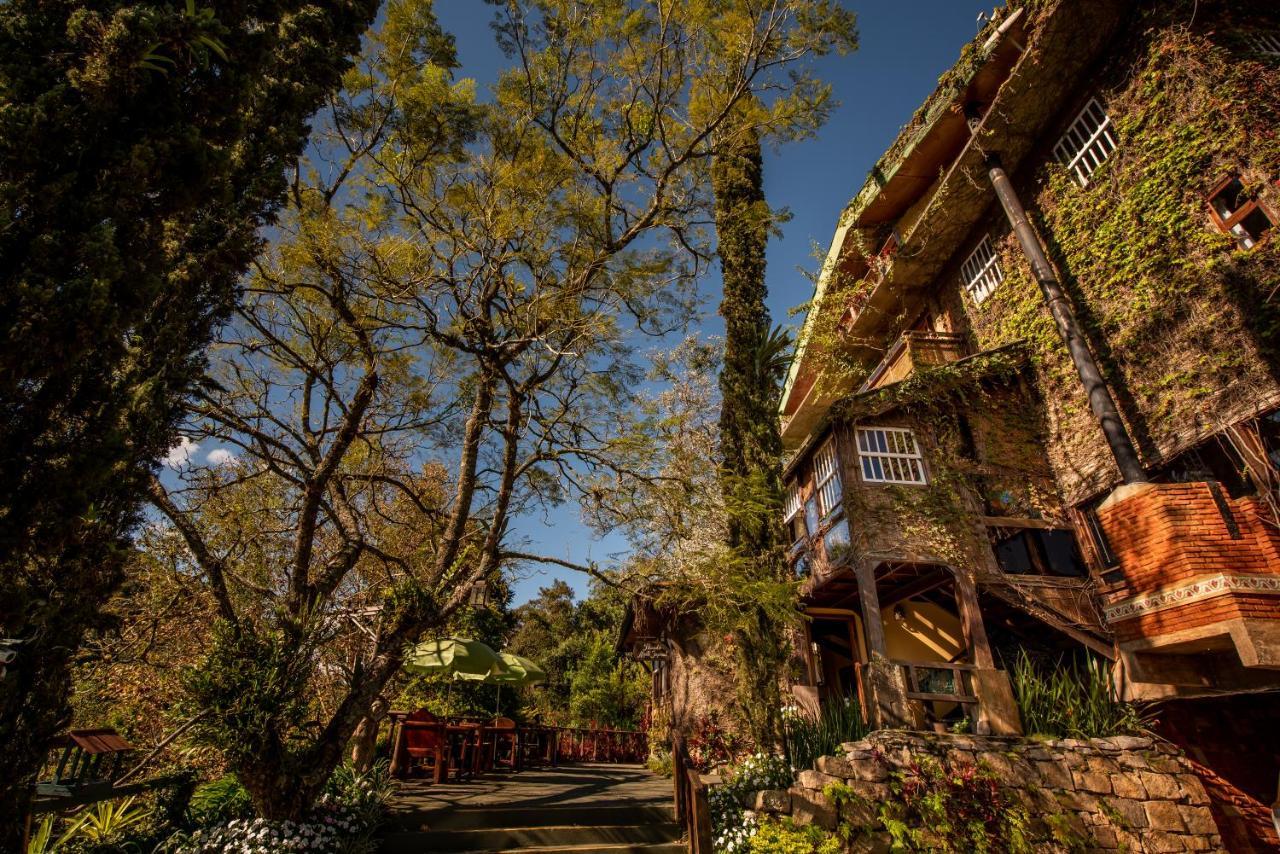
[(1100, 400)]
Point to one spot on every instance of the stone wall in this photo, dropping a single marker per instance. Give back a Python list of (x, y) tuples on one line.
[(1124, 793)]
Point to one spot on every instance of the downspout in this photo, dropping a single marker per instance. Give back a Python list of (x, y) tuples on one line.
[(1100, 400)]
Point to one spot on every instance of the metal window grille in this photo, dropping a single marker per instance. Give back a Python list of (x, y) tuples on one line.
[(981, 271), (1087, 143), (793, 503), (826, 477), (890, 455), (1267, 43)]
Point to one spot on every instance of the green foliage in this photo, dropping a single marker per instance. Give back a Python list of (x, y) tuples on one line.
[(46, 839), (808, 739), (785, 837), (1183, 323), (1070, 699), (360, 799), (108, 822), (943, 807), (605, 691), (219, 801), (124, 826), (660, 763), (253, 684), (574, 642)]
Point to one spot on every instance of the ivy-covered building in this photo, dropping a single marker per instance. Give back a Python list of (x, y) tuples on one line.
[(1034, 407)]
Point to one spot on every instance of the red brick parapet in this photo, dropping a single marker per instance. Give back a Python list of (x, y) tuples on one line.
[(1191, 557)]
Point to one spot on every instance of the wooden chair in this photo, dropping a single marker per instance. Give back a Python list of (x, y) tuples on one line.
[(426, 744), (502, 743)]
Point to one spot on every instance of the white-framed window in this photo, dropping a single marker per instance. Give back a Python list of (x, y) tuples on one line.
[(981, 271), (1087, 143), (826, 479), (792, 504), (890, 455), (1265, 42)]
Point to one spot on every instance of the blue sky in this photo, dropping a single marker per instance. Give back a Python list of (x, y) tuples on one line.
[(905, 47)]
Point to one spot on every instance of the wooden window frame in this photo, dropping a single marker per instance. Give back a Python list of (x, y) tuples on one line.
[(793, 503), (981, 272), (900, 459), (1087, 143), (1238, 216), (827, 454)]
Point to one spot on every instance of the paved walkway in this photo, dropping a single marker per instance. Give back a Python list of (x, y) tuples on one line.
[(576, 808)]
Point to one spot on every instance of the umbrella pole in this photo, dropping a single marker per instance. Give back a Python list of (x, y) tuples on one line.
[(497, 706)]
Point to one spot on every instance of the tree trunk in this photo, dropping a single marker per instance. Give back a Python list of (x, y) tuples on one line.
[(365, 741), (750, 444)]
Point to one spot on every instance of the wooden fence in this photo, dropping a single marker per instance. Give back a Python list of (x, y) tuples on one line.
[(575, 744), (692, 809)]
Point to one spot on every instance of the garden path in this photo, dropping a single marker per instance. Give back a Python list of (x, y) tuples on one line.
[(609, 809)]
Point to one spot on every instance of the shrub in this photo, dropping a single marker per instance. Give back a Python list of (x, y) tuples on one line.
[(952, 808), (1072, 700), (253, 835), (660, 763), (711, 743), (731, 829), (807, 739), (219, 801), (783, 837), (344, 820)]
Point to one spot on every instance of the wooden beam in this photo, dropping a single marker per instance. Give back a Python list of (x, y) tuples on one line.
[(932, 581), (975, 634), (830, 612), (1021, 522), (872, 623)]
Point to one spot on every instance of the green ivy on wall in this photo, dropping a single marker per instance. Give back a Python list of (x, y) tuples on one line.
[(1184, 323)]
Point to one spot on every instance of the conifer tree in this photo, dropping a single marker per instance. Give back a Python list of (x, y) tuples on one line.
[(750, 442), (142, 147)]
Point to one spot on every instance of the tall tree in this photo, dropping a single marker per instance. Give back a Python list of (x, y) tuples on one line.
[(142, 146), (750, 439), (751, 374), (441, 340)]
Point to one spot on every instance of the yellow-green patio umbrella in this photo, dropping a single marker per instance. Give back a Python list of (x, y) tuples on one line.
[(519, 671), (463, 657)]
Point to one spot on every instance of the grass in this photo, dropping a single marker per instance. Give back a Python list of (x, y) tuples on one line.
[(807, 739)]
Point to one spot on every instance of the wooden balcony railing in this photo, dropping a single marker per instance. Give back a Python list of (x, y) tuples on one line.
[(912, 350), (929, 682)]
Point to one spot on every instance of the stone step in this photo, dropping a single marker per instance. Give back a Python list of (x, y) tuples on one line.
[(658, 848), (549, 837), (474, 818)]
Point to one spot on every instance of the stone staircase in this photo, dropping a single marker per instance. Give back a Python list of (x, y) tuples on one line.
[(605, 809)]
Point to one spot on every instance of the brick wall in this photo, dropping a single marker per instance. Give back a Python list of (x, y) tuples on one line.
[(1124, 793), (1167, 535)]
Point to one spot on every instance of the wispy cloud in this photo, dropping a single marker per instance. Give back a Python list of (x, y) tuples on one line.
[(220, 457), (180, 454)]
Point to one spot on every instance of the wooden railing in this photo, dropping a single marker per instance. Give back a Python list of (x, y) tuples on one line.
[(692, 810), (923, 685), (574, 744)]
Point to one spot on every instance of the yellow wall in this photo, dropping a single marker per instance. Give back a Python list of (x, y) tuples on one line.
[(928, 633)]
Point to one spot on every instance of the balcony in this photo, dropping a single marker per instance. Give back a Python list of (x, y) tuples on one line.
[(1200, 574), (915, 349)]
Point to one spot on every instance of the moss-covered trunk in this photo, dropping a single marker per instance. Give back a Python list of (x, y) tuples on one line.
[(750, 444)]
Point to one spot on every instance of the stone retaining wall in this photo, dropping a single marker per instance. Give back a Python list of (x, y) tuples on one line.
[(1105, 794)]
